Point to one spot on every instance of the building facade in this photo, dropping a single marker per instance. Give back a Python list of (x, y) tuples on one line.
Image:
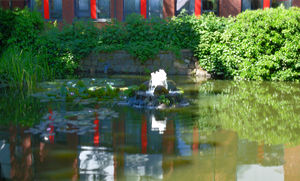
[(104, 10)]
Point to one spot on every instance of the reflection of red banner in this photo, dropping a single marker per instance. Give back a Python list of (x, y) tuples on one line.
[(51, 137), (195, 140), (266, 4), (260, 153), (144, 135), (96, 134)]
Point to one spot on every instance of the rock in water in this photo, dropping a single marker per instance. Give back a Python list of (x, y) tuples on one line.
[(160, 90)]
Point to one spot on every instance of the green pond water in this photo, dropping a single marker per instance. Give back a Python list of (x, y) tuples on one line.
[(241, 131)]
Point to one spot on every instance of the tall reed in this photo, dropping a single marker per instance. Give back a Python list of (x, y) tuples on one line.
[(23, 69)]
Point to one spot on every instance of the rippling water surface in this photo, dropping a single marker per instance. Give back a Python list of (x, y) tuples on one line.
[(241, 131)]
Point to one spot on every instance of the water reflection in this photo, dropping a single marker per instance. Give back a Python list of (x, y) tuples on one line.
[(259, 111), (131, 149), (223, 136)]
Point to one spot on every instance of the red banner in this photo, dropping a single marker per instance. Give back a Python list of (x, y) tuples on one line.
[(197, 7), (266, 4), (144, 8), (93, 9), (46, 9)]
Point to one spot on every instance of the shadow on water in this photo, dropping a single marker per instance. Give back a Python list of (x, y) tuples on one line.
[(19, 109), (231, 131)]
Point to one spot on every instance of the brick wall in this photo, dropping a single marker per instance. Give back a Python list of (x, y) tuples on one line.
[(168, 8), (6, 4), (230, 7), (119, 10), (296, 3), (68, 10)]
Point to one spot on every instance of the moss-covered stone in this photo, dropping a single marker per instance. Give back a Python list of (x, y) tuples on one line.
[(160, 90)]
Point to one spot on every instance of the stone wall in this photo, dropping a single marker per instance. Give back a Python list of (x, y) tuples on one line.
[(122, 62)]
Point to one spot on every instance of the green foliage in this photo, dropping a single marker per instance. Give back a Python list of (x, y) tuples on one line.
[(21, 69), (63, 49), (208, 48), (164, 100), (143, 50), (143, 87), (82, 90), (60, 49), (259, 45), (6, 27), (104, 93), (20, 27), (256, 45), (142, 38), (184, 30), (130, 92)]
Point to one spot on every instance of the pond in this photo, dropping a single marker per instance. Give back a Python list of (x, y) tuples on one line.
[(230, 131)]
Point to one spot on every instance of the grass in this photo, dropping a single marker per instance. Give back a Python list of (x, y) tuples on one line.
[(22, 70)]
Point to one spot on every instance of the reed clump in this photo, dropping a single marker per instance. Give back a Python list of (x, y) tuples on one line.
[(23, 69)]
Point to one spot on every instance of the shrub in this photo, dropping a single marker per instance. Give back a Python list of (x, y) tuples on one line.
[(142, 38), (63, 49), (263, 45), (184, 30), (208, 47), (6, 27), (27, 26), (259, 45)]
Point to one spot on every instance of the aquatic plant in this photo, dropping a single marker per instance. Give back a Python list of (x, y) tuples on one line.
[(22, 69), (164, 100), (82, 91), (20, 27)]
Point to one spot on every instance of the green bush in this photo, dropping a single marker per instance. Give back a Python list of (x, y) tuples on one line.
[(263, 45), (184, 31), (208, 47), (256, 45), (6, 27), (27, 27), (142, 38), (63, 49)]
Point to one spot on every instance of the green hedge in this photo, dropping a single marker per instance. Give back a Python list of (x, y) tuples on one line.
[(255, 45), (20, 28), (63, 49), (263, 45)]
